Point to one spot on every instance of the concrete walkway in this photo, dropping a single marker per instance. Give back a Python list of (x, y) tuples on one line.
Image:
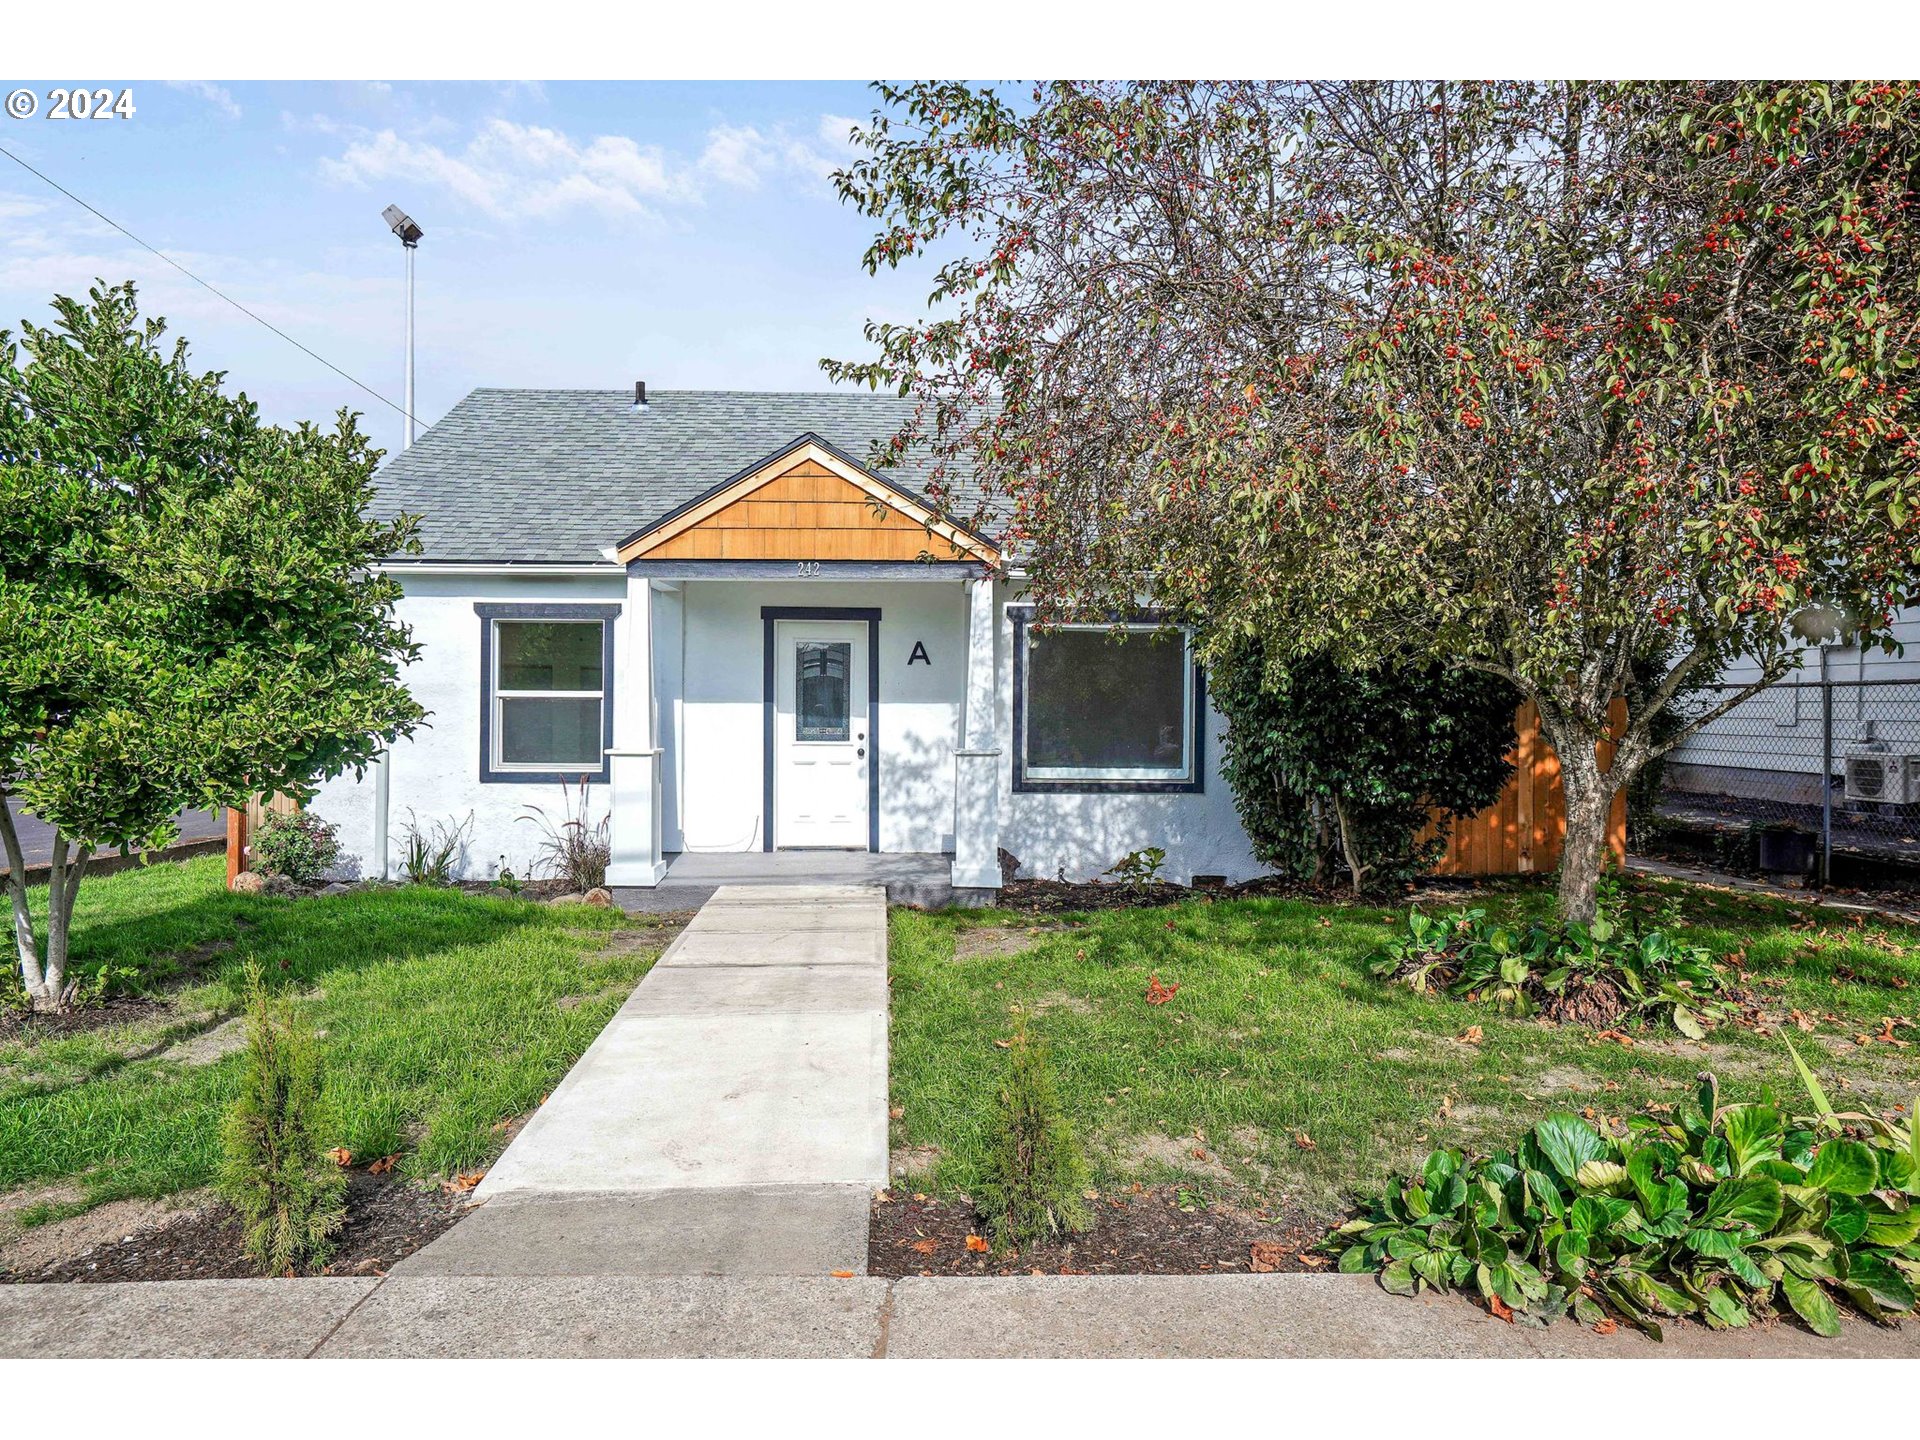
[(730, 1120), (1125, 1316)]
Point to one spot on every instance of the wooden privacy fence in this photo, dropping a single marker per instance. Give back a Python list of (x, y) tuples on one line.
[(1522, 831), (242, 821)]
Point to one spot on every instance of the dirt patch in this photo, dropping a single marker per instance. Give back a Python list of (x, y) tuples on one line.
[(388, 1218), (1060, 1000), (223, 1039), (27, 1028), (1190, 1154), (1564, 1077), (1141, 1231), (118, 1222), (983, 941), (913, 1160)]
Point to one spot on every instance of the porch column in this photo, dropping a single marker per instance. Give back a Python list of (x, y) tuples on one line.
[(976, 779), (633, 761)]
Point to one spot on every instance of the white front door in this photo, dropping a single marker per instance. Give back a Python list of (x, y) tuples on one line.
[(820, 750)]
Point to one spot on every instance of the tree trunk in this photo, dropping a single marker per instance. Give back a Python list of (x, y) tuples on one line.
[(44, 981), (1587, 800), (1354, 867)]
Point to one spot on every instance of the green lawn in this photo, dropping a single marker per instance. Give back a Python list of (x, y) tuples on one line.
[(441, 1015), (1280, 1038)]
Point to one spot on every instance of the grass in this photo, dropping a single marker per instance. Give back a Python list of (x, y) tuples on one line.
[(441, 1015), (1283, 1072)]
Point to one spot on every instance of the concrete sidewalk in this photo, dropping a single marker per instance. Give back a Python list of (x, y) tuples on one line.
[(731, 1118), (1133, 1316)]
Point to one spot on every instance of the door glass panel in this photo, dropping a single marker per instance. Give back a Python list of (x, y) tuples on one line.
[(822, 706)]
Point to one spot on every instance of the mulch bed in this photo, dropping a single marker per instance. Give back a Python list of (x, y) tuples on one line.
[(1055, 897), (1139, 1231), (388, 1218), (25, 1025)]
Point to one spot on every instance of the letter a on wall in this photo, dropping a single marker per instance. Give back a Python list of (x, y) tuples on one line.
[(920, 654)]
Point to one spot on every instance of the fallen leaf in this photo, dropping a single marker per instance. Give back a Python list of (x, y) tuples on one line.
[(460, 1184), (1158, 994), (1304, 1141), (1471, 1035), (925, 1247), (1618, 1037), (897, 1112), (1499, 1309), (340, 1156), (1265, 1256), (841, 1274), (978, 1244), (384, 1164), (1605, 1325)]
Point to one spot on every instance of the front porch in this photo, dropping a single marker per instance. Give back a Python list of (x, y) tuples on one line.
[(922, 880)]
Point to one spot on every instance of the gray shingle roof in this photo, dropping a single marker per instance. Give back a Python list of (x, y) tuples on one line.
[(559, 475)]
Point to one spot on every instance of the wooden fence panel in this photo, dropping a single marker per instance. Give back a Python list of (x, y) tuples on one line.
[(243, 820), (1522, 831)]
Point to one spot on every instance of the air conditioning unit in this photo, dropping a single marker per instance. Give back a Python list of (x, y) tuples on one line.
[(1882, 777)]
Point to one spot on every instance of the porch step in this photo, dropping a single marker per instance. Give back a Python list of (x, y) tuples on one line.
[(920, 879)]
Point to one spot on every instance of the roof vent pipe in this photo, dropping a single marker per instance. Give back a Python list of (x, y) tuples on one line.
[(639, 394)]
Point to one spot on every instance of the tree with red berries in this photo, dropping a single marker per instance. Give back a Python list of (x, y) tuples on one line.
[(1535, 379)]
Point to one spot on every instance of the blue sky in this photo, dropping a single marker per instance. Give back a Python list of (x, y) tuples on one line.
[(576, 234)]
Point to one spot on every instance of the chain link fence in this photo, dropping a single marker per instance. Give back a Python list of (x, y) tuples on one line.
[(1801, 775)]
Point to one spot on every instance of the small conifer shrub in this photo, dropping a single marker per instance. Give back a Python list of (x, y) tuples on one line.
[(276, 1172), (1035, 1172)]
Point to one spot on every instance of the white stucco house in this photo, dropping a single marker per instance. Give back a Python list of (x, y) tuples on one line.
[(750, 642)]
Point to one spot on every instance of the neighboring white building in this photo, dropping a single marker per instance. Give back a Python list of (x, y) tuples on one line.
[(1771, 747), (748, 640)]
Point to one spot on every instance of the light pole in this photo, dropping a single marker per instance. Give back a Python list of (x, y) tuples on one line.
[(402, 225)]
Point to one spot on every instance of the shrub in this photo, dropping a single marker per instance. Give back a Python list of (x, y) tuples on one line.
[(275, 1170), (428, 857), (1138, 869), (1580, 974), (300, 846), (1334, 768), (1716, 1213), (575, 849), (1034, 1169)]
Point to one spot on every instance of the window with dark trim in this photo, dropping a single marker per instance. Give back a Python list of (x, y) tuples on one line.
[(1105, 707), (546, 691)]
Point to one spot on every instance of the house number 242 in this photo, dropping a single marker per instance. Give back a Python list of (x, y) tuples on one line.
[(809, 568)]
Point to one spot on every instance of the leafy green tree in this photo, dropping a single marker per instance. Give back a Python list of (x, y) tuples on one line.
[(1530, 378), (1328, 762), (189, 606)]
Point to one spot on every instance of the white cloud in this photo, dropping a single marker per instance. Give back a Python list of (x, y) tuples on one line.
[(217, 96), (514, 172), (507, 170)]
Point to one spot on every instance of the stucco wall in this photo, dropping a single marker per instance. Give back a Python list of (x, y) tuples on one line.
[(1084, 834), (719, 766), (708, 646), (435, 776)]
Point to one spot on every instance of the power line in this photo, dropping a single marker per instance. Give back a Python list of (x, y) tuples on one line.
[(205, 284)]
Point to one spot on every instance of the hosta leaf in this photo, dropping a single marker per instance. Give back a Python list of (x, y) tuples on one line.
[(1753, 1133), (1724, 1307), (1601, 1175), (1398, 1279), (1566, 1143), (1442, 1165), (1353, 1260), (1448, 1196), (1889, 1288), (1812, 1304), (1432, 1268), (1889, 1226), (1846, 1219), (1844, 1167), (1688, 1023), (1752, 1200)]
